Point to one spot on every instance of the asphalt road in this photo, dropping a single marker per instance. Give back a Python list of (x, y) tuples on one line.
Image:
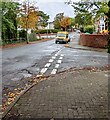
[(45, 58)]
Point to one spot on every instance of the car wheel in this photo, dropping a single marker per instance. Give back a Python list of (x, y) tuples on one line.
[(56, 42)]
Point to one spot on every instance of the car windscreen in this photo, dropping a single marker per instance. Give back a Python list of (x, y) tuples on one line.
[(61, 35)]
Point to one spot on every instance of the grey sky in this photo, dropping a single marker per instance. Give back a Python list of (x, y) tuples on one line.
[(53, 7)]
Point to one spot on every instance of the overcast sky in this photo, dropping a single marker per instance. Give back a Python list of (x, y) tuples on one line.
[(53, 7)]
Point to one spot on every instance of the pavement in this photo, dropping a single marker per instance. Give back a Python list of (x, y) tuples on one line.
[(70, 94)]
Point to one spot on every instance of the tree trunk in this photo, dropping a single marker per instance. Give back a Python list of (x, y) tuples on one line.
[(108, 15)]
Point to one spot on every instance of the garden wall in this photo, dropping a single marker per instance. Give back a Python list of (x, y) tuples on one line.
[(93, 40)]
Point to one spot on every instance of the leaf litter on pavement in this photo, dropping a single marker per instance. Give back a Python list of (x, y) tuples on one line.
[(9, 95)]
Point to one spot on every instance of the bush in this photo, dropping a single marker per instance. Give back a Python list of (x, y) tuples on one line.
[(32, 37), (89, 29), (22, 34), (82, 29), (45, 31)]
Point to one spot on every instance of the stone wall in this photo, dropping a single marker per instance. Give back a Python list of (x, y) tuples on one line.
[(94, 40)]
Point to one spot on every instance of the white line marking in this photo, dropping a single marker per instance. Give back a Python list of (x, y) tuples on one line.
[(53, 57), (43, 70), (62, 55), (48, 65), (57, 65), (107, 75), (59, 61), (59, 51), (51, 60), (54, 71), (61, 58)]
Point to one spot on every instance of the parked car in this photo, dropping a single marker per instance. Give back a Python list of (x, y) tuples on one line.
[(62, 37)]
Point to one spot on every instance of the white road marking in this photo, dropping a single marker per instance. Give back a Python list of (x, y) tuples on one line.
[(56, 54), (106, 75), (59, 51), (59, 61), (43, 70), (53, 57), (48, 65), (54, 71), (51, 60), (57, 65), (60, 58), (62, 55)]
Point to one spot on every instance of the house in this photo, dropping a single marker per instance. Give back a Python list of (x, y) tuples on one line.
[(101, 24), (50, 25)]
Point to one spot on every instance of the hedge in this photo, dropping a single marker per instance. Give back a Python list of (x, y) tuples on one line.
[(89, 29), (47, 30)]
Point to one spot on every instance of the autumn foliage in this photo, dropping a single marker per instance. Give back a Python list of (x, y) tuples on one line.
[(65, 22), (29, 17)]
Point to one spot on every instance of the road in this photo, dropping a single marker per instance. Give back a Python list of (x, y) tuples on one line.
[(45, 58)]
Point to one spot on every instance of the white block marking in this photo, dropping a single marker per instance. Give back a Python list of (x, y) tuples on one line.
[(53, 57), (51, 60), (57, 65), (59, 61), (56, 54), (54, 71), (48, 65), (43, 70), (62, 55), (60, 58)]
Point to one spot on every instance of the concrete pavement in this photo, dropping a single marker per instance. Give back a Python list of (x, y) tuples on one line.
[(70, 94)]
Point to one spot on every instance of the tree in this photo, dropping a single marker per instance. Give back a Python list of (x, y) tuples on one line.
[(89, 9), (72, 22), (9, 21), (57, 20), (43, 19), (108, 22), (28, 17), (65, 22)]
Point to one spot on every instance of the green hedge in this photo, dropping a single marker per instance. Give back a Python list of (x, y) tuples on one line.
[(89, 29), (45, 31), (22, 34)]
